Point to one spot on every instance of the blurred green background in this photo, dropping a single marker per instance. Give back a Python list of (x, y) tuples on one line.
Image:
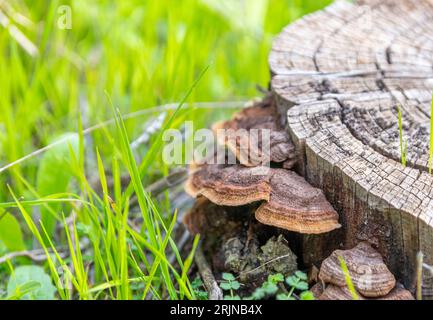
[(143, 53), (140, 54)]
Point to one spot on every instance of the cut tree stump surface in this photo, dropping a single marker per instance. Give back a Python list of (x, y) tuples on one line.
[(338, 76)]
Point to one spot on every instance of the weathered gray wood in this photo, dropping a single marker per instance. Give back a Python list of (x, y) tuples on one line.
[(339, 75)]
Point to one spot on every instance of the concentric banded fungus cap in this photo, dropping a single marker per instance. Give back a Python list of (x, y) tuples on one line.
[(291, 203), (398, 293), (368, 272), (247, 144), (297, 206), (333, 292), (230, 185)]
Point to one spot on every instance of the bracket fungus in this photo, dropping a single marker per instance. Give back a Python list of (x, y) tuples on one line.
[(333, 292), (296, 206), (340, 126), (238, 204), (398, 293), (234, 185), (369, 275), (244, 136), (290, 202), (368, 272)]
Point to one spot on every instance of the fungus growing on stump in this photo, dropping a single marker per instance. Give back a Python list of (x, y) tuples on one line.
[(242, 135), (398, 293), (333, 292), (296, 206), (370, 276), (290, 202), (229, 185), (239, 204), (368, 272), (340, 114)]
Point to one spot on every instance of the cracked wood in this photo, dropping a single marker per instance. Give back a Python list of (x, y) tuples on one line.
[(338, 75)]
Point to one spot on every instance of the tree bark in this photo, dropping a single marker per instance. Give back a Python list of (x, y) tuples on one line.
[(339, 77)]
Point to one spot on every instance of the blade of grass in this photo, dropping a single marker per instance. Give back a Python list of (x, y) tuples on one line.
[(430, 158), (403, 145), (156, 146), (349, 282), (64, 294)]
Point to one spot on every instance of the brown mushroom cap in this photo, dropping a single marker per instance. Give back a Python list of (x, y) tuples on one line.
[(333, 292), (230, 185), (398, 293), (292, 203), (368, 272), (297, 206), (246, 147)]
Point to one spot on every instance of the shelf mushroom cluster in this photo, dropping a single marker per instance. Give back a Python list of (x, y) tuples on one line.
[(370, 276), (283, 199), (288, 201), (239, 138)]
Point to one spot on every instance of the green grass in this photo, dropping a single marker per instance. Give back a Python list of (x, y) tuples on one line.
[(348, 278), (430, 158), (71, 201), (403, 142)]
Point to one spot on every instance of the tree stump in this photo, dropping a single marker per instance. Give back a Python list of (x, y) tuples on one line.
[(339, 76)]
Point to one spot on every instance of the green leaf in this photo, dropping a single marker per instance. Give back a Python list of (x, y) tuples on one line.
[(258, 294), (10, 232), (307, 295), (292, 281), (270, 288), (235, 285), (301, 285), (54, 175), (24, 275), (196, 283), (232, 298), (30, 286), (202, 295), (24, 289), (276, 278), (228, 276), (301, 275), (225, 285), (282, 296)]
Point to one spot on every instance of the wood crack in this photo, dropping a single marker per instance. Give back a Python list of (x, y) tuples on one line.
[(341, 94)]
